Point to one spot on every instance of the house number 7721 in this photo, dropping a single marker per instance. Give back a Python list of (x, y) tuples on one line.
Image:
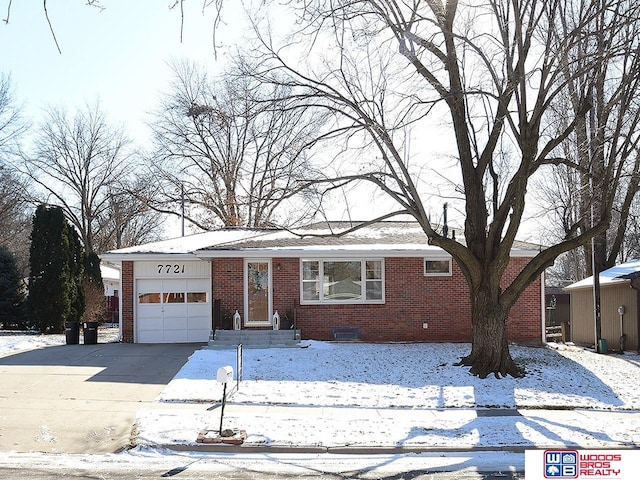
[(170, 268)]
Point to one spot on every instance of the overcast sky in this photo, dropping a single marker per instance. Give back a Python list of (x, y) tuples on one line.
[(118, 55)]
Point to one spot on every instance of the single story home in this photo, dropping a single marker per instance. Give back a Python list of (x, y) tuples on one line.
[(619, 312), (382, 280)]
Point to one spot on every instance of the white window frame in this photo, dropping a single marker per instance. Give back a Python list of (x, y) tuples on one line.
[(363, 280), (438, 274)]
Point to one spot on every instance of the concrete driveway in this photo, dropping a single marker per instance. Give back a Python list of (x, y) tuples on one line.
[(82, 398)]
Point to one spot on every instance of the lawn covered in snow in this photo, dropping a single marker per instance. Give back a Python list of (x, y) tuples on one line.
[(360, 395), (409, 395), (414, 375)]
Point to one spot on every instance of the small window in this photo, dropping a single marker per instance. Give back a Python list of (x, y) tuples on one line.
[(373, 283), (174, 297), (438, 267), (197, 297), (149, 297), (311, 280)]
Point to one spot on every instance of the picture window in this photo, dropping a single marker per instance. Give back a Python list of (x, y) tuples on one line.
[(342, 281)]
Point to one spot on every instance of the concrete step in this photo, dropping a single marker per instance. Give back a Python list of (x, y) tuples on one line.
[(254, 338)]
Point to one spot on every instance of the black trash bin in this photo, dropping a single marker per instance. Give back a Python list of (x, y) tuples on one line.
[(90, 333), (72, 332)]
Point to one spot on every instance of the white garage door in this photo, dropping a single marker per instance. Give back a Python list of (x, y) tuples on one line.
[(173, 310)]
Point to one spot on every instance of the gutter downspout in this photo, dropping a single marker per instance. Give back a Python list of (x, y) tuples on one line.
[(543, 309), (120, 306), (635, 284)]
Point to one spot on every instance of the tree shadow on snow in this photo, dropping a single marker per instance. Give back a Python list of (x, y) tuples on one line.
[(424, 376)]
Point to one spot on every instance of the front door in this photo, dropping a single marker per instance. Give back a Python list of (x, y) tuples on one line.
[(258, 292)]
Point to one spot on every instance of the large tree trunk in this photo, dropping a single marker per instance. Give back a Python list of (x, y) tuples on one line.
[(490, 347)]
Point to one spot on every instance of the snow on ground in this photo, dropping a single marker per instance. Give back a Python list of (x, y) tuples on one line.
[(420, 375), (406, 395), (14, 342), (394, 395)]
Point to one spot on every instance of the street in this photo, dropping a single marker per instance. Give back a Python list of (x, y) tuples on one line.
[(155, 465), (18, 474)]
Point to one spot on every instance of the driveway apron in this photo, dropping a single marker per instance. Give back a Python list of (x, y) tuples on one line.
[(82, 398)]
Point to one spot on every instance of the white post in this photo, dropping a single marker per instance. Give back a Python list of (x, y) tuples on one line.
[(236, 321), (276, 321)]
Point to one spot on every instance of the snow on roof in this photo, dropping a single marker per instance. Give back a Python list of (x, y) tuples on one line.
[(189, 243), (403, 237), (109, 273), (336, 235), (619, 274)]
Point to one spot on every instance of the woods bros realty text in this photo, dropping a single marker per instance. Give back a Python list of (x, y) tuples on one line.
[(592, 464)]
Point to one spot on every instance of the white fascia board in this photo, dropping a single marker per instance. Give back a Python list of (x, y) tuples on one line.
[(137, 257), (316, 252), (523, 253), (604, 282), (341, 252), (110, 262), (322, 252)]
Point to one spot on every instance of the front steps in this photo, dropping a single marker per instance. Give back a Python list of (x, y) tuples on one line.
[(254, 338)]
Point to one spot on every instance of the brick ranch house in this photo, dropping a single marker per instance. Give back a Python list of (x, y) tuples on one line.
[(383, 281)]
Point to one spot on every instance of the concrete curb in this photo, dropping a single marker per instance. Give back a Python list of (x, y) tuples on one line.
[(346, 450), (337, 450)]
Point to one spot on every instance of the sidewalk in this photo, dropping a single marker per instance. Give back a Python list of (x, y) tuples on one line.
[(280, 429)]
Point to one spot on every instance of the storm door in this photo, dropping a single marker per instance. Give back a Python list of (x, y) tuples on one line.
[(258, 292)]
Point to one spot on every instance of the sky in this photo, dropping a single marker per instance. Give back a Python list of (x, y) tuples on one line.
[(118, 55)]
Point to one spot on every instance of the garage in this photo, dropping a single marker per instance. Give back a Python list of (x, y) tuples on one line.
[(172, 310)]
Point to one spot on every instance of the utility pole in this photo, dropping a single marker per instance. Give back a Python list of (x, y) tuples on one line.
[(182, 205), (595, 245)]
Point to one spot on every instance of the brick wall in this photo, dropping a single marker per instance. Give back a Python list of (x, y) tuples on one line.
[(227, 280), (127, 301), (412, 300), (525, 318)]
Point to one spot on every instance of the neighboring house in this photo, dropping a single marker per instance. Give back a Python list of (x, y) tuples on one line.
[(111, 282), (384, 280), (619, 287)]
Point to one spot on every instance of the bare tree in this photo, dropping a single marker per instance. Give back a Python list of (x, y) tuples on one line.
[(75, 162), (231, 153), (606, 139), (45, 11), (14, 219), (494, 68), (12, 124), (128, 220)]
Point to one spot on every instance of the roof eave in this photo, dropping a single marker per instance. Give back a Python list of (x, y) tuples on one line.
[(142, 256), (589, 285), (338, 252)]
